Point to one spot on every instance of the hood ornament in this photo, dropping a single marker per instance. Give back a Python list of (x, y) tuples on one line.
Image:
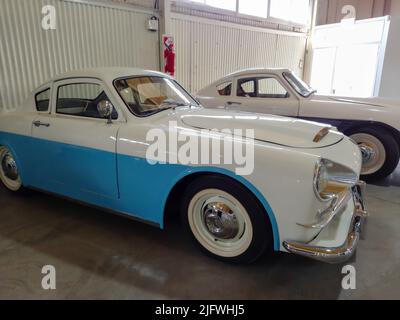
[(321, 134)]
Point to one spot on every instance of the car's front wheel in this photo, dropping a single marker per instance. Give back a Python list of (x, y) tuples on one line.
[(226, 220), (380, 153), (9, 174)]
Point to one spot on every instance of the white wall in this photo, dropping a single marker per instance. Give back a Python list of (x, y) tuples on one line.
[(209, 49), (85, 36), (390, 84)]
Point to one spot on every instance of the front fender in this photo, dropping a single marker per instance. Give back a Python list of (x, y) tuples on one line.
[(254, 190)]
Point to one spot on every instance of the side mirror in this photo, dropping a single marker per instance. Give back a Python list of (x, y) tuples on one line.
[(105, 109)]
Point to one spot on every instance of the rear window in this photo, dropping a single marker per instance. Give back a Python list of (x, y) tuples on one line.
[(42, 100), (225, 89)]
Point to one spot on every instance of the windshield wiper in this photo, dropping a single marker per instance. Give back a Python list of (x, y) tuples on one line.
[(310, 93), (169, 103)]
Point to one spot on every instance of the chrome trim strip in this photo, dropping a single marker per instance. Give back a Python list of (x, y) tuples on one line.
[(357, 102), (347, 249), (317, 168), (339, 174)]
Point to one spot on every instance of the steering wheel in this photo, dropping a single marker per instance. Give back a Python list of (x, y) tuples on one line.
[(85, 107)]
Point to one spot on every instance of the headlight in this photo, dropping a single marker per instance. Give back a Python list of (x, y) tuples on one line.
[(331, 178)]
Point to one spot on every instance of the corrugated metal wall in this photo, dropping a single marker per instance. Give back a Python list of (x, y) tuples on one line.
[(86, 36), (207, 50)]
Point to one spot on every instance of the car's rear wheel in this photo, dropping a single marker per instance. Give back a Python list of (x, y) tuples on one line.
[(9, 174), (226, 220), (380, 153)]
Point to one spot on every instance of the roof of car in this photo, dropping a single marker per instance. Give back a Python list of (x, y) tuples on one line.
[(107, 73), (245, 72), (240, 73), (257, 70)]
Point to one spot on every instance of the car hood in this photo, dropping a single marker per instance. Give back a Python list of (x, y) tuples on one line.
[(372, 101), (268, 128)]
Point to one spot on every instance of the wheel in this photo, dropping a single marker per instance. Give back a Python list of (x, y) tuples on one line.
[(380, 153), (226, 220), (9, 174)]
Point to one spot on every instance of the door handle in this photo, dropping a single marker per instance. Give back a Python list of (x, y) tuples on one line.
[(233, 102), (39, 123)]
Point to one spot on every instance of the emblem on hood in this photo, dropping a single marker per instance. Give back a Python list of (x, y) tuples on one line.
[(321, 134)]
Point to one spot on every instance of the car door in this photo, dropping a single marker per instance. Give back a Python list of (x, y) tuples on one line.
[(75, 149), (263, 94)]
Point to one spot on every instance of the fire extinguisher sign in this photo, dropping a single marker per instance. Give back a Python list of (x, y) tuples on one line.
[(169, 55)]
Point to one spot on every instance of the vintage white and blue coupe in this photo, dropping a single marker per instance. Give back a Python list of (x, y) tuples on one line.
[(373, 123), (85, 136)]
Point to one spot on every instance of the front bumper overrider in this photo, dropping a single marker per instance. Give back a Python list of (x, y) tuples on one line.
[(347, 249)]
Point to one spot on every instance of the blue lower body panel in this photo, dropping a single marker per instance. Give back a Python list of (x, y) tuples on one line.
[(117, 182)]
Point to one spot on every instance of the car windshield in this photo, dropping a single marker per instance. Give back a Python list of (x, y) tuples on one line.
[(148, 95), (299, 85)]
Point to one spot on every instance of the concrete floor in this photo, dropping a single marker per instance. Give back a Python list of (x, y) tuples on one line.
[(99, 255)]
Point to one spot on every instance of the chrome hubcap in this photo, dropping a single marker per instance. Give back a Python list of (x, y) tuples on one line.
[(9, 167), (220, 220), (372, 151), (368, 153)]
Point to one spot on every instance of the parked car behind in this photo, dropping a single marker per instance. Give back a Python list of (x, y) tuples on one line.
[(373, 123)]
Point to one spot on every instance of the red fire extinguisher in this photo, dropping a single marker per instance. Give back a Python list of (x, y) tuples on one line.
[(169, 57)]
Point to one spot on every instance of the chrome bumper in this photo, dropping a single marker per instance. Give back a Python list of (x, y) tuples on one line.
[(345, 251)]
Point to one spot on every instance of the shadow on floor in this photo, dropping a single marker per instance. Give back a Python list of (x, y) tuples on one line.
[(99, 255)]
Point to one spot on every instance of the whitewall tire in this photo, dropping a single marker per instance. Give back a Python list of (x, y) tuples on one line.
[(220, 223), (226, 220), (380, 152)]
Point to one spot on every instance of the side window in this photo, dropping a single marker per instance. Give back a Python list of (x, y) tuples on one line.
[(42, 100), (225, 89), (81, 99), (246, 87), (271, 88)]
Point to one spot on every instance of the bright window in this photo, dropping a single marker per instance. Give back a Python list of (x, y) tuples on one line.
[(271, 88), (295, 11), (222, 4), (291, 10), (258, 8), (346, 58)]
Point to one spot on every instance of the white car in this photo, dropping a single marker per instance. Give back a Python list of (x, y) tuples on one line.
[(374, 123), (89, 135)]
